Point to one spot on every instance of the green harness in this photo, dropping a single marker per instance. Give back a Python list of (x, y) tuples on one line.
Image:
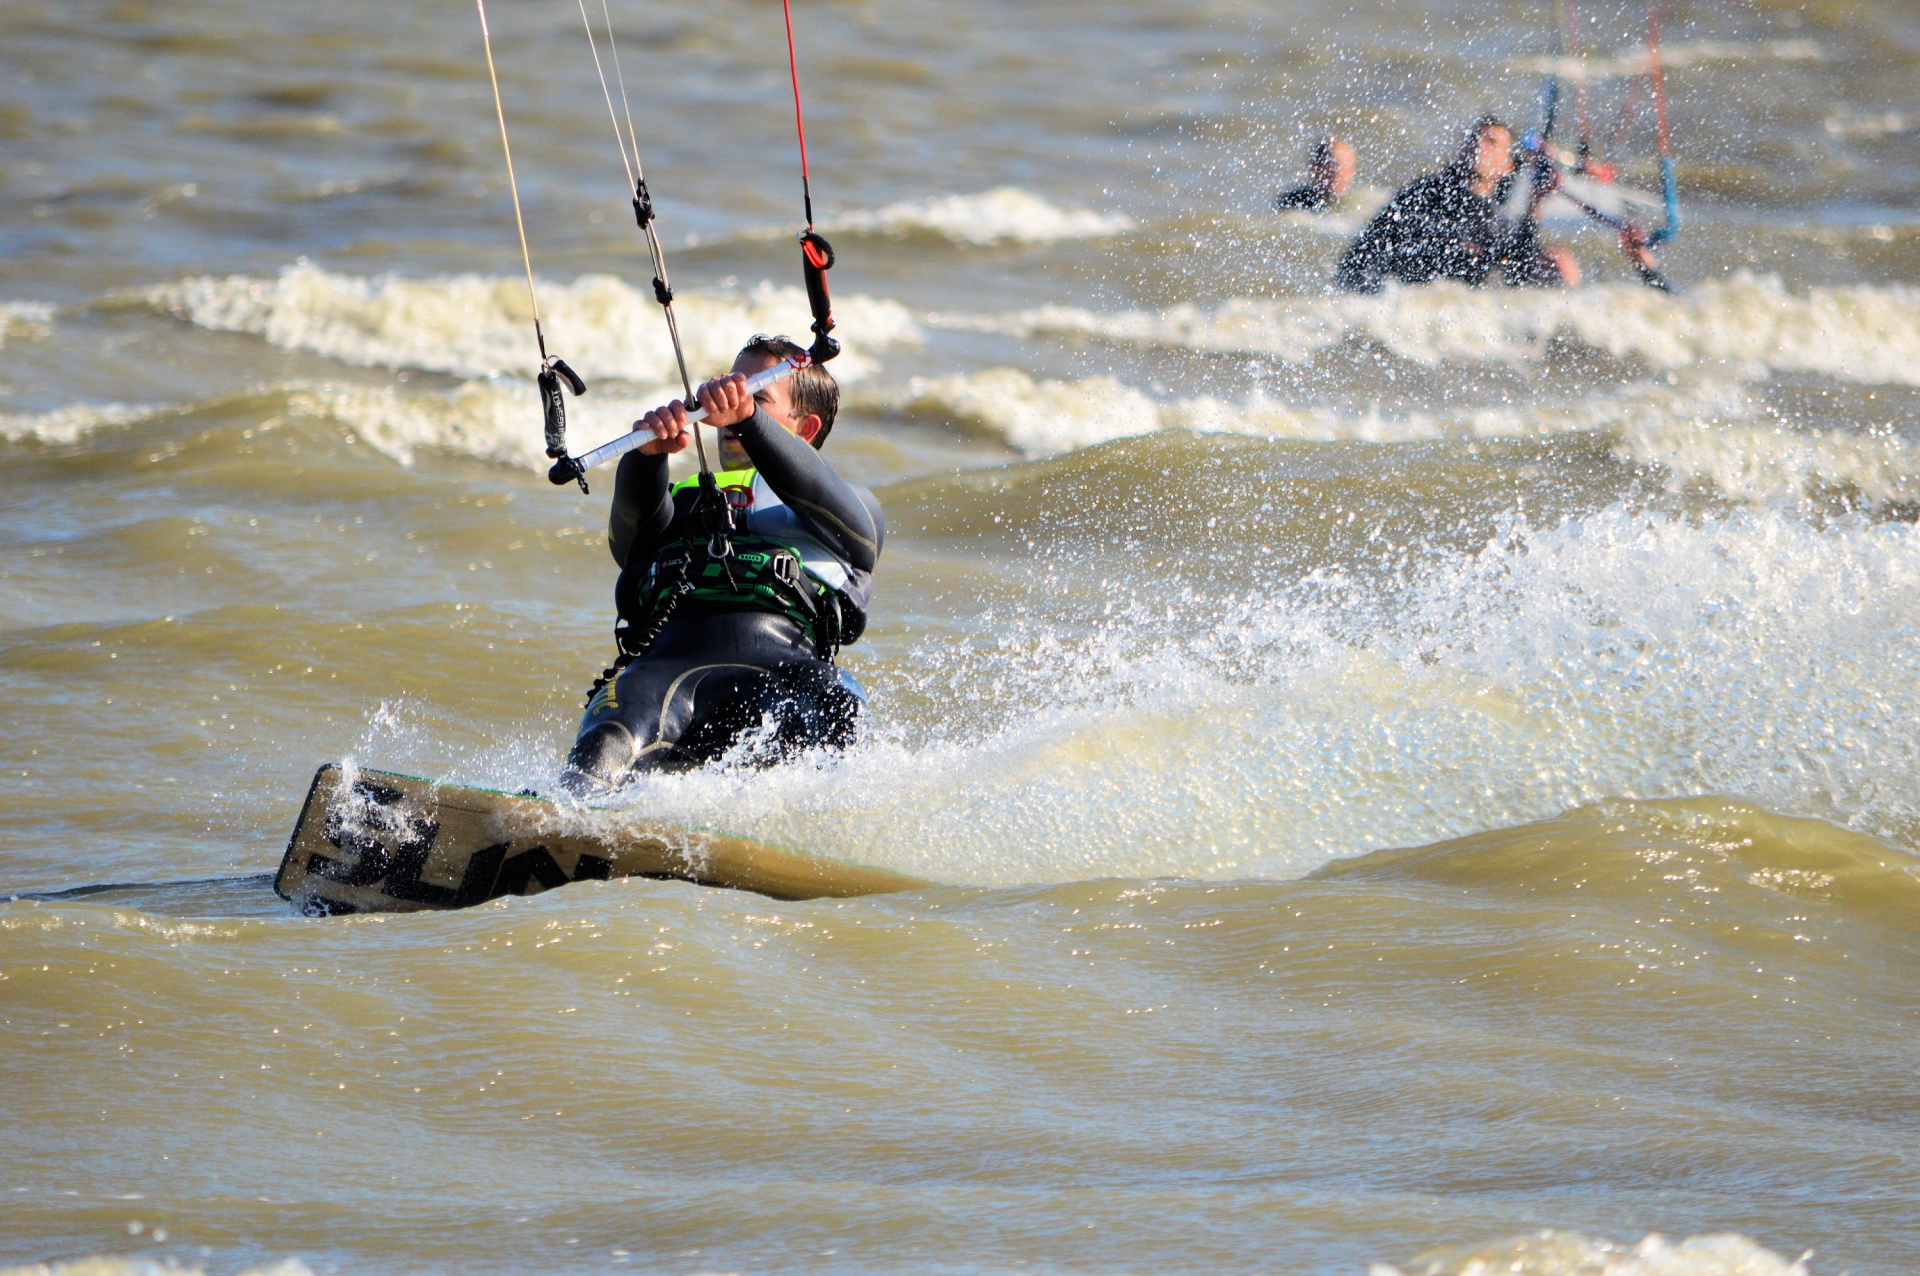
[(760, 574), (749, 573)]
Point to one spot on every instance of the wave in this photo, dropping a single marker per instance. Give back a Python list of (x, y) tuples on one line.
[(1706, 435), (476, 326), (1068, 729), (1706, 440), (1749, 326), (118, 1265), (1686, 53), (1004, 215), (1037, 416), (1559, 1253), (31, 320), (1545, 1253), (72, 423), (1855, 125), (1746, 857), (496, 420)]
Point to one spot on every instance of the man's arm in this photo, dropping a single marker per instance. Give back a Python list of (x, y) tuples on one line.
[(641, 506), (831, 506)]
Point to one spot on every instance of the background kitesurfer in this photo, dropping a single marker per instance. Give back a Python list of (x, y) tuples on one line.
[(1330, 170), (733, 604), (1450, 225)]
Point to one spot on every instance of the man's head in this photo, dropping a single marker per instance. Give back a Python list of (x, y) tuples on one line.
[(805, 404), (1486, 154), (1331, 167)]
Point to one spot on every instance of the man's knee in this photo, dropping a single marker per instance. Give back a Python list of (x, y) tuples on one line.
[(600, 759), (817, 705)]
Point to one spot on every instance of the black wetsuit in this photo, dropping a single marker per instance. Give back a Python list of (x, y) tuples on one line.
[(717, 674), (1437, 228)]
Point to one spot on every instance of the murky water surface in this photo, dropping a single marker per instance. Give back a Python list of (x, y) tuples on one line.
[(1205, 589)]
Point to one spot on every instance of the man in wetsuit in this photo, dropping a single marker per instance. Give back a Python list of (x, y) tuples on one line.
[(1330, 170), (733, 603), (1450, 225)]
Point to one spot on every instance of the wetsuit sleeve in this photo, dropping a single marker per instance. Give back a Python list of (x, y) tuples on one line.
[(641, 509), (847, 518), (1306, 199), (1522, 262), (1370, 257)]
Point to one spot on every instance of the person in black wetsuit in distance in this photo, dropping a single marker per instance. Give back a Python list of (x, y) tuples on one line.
[(1451, 225), (1330, 170), (732, 607)]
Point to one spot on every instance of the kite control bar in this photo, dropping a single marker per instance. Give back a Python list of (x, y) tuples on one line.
[(568, 469)]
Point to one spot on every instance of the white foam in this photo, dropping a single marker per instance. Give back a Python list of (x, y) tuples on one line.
[(1635, 61), (70, 424), (1853, 124), (1749, 326), (1557, 1253), (1044, 417), (1758, 462), (116, 1265), (496, 419), (1167, 732), (473, 325), (1004, 215), (30, 320), (1704, 432), (1038, 417)]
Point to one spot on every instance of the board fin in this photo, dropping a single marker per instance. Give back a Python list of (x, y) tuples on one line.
[(374, 841)]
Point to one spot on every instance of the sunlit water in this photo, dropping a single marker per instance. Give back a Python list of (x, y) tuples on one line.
[(1205, 590)]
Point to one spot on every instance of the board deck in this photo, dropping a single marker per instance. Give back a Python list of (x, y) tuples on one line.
[(374, 841)]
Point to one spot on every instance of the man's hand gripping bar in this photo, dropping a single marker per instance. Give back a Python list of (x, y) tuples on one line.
[(567, 469)]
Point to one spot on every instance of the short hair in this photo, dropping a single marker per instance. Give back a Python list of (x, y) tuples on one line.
[(812, 390)]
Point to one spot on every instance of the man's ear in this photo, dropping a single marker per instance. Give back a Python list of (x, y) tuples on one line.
[(807, 427)]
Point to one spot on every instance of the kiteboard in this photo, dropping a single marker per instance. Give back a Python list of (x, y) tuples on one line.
[(374, 841)]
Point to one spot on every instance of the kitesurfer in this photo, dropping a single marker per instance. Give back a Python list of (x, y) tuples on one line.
[(733, 603), (1451, 225), (1330, 170)]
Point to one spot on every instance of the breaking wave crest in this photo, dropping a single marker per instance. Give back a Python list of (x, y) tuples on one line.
[(1262, 731), (1546, 1253), (1558, 1253), (24, 319), (115, 1265), (72, 423), (1004, 215), (1685, 53), (1749, 326), (493, 420), (474, 325), (1708, 434)]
